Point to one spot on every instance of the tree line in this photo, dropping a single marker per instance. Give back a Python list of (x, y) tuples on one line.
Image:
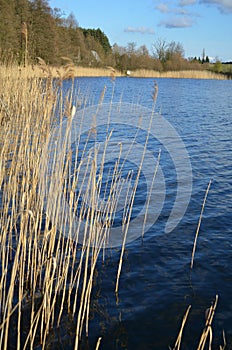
[(31, 28)]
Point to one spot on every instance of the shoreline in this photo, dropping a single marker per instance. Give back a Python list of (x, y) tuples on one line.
[(183, 74), (69, 71)]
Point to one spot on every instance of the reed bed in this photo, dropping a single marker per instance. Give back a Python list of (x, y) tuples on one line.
[(29, 266), (186, 74), (77, 71), (42, 71), (44, 269)]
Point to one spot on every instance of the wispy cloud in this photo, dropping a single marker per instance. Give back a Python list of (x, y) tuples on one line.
[(141, 30), (225, 6), (182, 16), (187, 2), (177, 22), (181, 11), (162, 7), (176, 8)]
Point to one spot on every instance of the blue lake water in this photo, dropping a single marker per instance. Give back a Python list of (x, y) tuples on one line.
[(156, 284)]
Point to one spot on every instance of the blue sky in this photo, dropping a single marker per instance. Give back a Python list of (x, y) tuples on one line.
[(196, 24)]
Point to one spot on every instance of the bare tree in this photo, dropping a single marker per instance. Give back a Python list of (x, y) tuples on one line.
[(131, 48), (174, 49), (142, 50), (171, 55), (159, 49)]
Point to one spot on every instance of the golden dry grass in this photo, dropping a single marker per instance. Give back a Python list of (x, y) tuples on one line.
[(77, 71), (186, 74), (42, 266), (41, 71)]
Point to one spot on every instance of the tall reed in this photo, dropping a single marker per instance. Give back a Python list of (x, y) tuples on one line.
[(44, 269)]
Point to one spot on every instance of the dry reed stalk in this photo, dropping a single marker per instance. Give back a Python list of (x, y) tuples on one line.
[(112, 73), (98, 343), (24, 33), (126, 219), (180, 335), (95, 236), (102, 96), (155, 92), (75, 279), (207, 332), (69, 69), (9, 300), (199, 224), (222, 347), (34, 326), (150, 193)]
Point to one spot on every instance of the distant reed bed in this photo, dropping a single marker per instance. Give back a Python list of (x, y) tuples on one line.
[(186, 74), (41, 71), (77, 71)]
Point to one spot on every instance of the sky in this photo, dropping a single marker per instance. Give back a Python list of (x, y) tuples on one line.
[(197, 24)]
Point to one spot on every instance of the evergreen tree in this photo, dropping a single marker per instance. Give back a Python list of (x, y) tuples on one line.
[(203, 56), (31, 29), (9, 44), (23, 21), (99, 36), (44, 33)]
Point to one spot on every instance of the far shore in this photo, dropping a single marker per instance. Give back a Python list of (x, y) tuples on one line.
[(66, 72)]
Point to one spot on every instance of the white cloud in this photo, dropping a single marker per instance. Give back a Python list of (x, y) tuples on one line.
[(181, 11), (177, 22), (177, 9), (162, 7), (141, 30), (224, 6), (187, 2)]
